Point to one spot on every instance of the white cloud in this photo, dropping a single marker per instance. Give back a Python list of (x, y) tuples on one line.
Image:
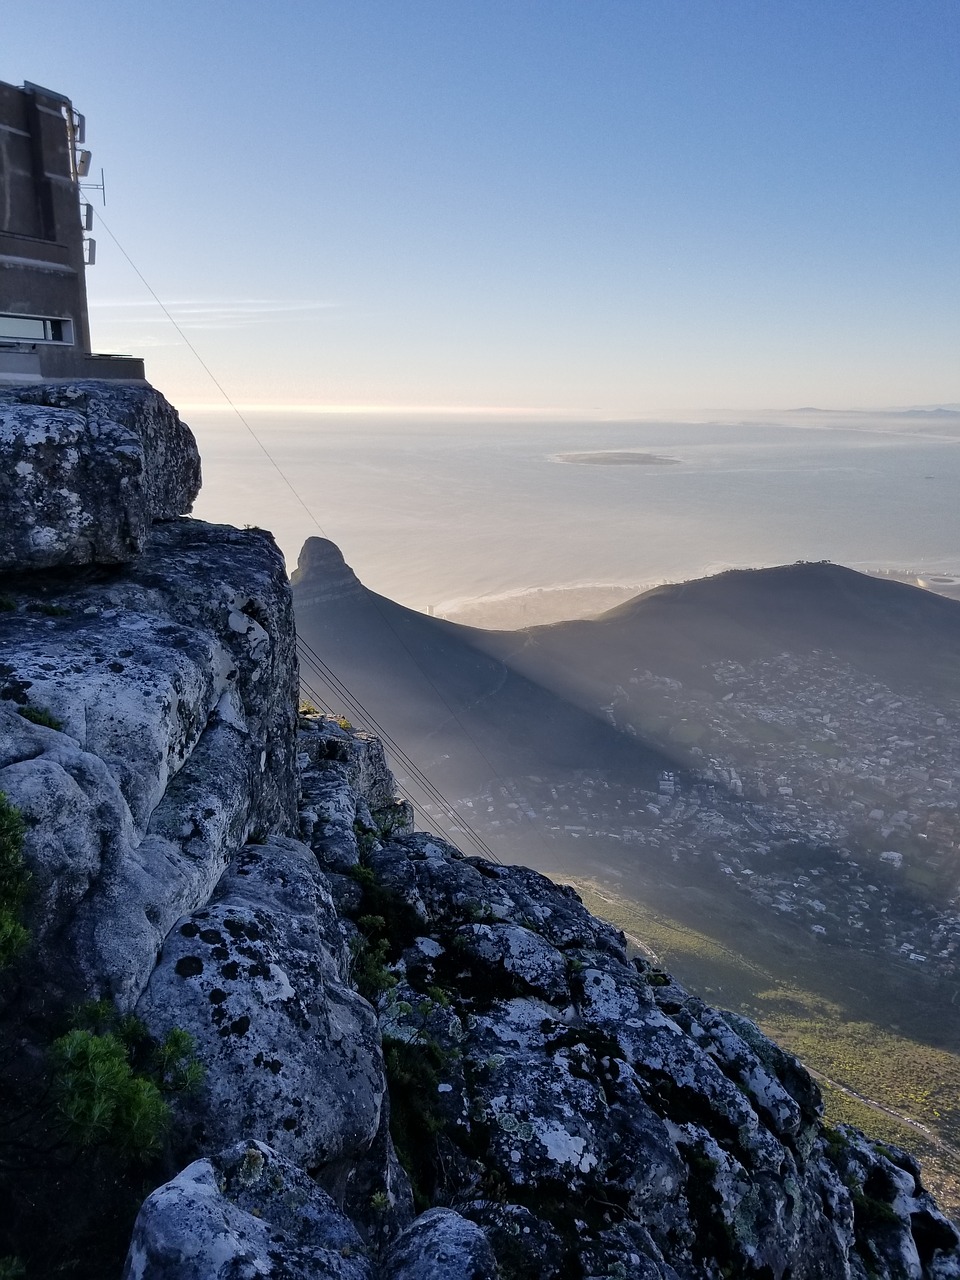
[(197, 313)]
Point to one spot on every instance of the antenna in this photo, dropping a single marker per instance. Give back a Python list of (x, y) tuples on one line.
[(100, 186)]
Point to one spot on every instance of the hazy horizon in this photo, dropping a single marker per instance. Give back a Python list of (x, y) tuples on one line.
[(434, 513)]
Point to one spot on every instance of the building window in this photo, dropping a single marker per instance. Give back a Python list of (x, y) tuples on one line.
[(35, 329)]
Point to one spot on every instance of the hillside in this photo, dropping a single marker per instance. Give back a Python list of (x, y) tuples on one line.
[(894, 631), (466, 713)]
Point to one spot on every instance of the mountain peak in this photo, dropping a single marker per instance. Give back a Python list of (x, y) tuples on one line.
[(322, 575)]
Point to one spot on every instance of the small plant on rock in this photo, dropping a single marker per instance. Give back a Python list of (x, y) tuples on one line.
[(41, 716)]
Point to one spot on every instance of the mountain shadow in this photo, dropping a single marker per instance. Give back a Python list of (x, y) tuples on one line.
[(456, 703)]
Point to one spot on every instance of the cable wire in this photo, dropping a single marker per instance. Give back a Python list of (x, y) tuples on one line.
[(363, 715), (428, 819), (211, 375)]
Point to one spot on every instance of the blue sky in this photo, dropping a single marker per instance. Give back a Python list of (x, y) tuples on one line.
[(619, 207)]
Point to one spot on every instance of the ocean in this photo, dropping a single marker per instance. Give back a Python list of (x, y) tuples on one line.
[(442, 511)]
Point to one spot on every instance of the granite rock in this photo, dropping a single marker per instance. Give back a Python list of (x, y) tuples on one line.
[(168, 689), (258, 976), (243, 1213), (441, 1245), (85, 470)]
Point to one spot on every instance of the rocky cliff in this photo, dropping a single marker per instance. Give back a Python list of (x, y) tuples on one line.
[(404, 1063)]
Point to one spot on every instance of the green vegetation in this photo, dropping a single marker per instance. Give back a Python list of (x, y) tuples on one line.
[(103, 1101), (84, 1138), (112, 1081), (6, 606), (386, 923), (14, 882), (369, 950), (846, 1049), (870, 1213), (413, 1073), (49, 610), (366, 837), (40, 715), (389, 818)]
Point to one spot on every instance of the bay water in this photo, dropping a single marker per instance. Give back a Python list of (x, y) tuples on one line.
[(441, 510)]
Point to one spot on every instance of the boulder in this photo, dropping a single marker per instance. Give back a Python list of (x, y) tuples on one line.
[(441, 1245), (258, 976), (85, 470), (246, 1212), (347, 791)]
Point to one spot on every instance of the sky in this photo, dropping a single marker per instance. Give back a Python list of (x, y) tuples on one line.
[(585, 207)]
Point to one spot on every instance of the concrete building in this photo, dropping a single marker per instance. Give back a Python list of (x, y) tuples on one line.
[(44, 251)]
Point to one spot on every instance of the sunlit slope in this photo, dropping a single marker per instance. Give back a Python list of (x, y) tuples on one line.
[(465, 715)]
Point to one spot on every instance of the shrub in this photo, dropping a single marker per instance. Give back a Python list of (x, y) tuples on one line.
[(102, 1101), (14, 881), (40, 715), (112, 1081)]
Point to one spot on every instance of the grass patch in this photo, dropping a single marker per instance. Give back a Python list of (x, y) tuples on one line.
[(41, 716)]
